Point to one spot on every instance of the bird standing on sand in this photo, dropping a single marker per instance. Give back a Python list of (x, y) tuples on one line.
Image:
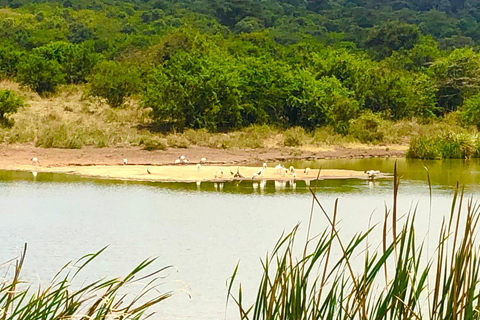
[(125, 161), (279, 169), (198, 166), (35, 161), (264, 165), (178, 161), (306, 171), (238, 174), (231, 172), (203, 160), (292, 169)]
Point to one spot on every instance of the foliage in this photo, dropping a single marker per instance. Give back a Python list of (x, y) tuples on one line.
[(294, 137), (41, 75), (99, 299), (154, 143), (114, 82), (448, 145), (366, 128), (376, 274), (9, 104)]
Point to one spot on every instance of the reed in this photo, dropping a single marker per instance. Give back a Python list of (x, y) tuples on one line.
[(397, 281), (101, 299)]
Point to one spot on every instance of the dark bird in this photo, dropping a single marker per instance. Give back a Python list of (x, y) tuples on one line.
[(238, 174), (231, 172), (148, 171)]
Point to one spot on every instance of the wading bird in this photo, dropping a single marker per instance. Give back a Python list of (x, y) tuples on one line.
[(372, 174), (238, 174), (35, 161), (264, 165)]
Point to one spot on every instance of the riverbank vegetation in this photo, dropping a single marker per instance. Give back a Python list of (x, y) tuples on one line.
[(68, 297), (391, 273), (346, 72)]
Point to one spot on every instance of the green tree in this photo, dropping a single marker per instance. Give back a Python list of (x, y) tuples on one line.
[(114, 81), (77, 61), (9, 104), (41, 75)]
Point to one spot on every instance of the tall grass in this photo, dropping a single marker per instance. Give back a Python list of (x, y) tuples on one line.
[(396, 281), (101, 299)]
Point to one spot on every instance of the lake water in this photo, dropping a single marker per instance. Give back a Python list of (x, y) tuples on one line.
[(203, 231)]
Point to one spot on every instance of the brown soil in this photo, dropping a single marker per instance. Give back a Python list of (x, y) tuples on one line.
[(12, 156), (221, 165)]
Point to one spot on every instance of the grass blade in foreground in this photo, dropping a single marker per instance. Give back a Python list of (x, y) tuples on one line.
[(292, 282), (101, 299)]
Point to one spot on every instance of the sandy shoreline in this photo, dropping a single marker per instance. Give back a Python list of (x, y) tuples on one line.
[(190, 173), (107, 163)]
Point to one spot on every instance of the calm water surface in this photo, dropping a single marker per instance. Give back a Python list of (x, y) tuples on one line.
[(203, 231)]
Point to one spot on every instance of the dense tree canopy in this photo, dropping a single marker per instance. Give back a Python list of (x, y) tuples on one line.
[(226, 64)]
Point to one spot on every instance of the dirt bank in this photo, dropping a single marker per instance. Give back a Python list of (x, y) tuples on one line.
[(12, 156)]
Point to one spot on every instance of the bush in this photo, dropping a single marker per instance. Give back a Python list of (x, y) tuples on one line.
[(114, 82), (366, 128), (154, 143), (41, 75), (294, 137), (9, 103), (59, 136), (177, 141), (449, 145)]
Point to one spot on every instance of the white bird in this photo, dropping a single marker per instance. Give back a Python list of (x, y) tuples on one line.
[(203, 160), (198, 166), (264, 165), (178, 161), (182, 158), (279, 169), (35, 161), (306, 171), (372, 174), (294, 176), (185, 161), (292, 169), (125, 161)]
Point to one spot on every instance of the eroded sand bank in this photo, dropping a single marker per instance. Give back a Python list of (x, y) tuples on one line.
[(188, 173)]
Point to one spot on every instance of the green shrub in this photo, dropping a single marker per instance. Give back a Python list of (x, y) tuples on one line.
[(177, 141), (59, 136), (449, 145), (366, 128), (199, 137), (154, 143), (9, 103), (294, 137), (40, 74), (114, 82)]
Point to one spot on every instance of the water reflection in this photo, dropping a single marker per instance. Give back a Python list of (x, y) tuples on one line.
[(443, 174)]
